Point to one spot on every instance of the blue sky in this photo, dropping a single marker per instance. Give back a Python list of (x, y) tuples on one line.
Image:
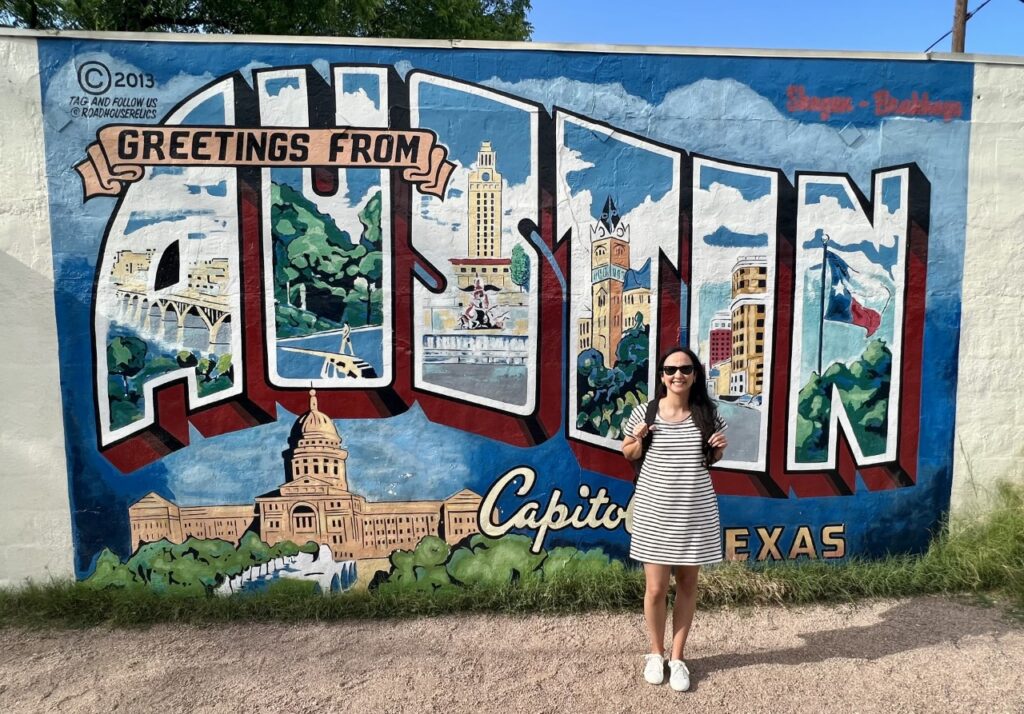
[(869, 25)]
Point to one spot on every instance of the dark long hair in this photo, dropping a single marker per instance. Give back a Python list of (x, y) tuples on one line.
[(702, 409)]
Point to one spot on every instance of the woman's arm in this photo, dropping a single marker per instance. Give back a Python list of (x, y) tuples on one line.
[(632, 444), (632, 447), (718, 442)]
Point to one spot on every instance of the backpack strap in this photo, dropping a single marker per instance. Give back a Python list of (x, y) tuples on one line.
[(650, 414), (652, 411)]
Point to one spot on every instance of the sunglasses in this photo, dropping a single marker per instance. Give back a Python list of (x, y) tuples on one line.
[(669, 370)]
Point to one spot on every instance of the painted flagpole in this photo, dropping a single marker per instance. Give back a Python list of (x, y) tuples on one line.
[(821, 325)]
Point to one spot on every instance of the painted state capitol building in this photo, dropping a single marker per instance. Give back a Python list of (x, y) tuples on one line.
[(313, 504)]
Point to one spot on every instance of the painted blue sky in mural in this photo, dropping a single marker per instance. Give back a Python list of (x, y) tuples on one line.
[(884, 256), (725, 238), (211, 111), (625, 172), (817, 191), (138, 220), (368, 84), (891, 193), (276, 85), (748, 188), (882, 253), (463, 120)]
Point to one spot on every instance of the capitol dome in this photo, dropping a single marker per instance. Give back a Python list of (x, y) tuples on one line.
[(314, 424)]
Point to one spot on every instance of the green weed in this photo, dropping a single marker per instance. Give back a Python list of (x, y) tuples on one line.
[(982, 557)]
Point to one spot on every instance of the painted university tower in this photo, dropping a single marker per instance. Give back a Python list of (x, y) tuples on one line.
[(313, 504)]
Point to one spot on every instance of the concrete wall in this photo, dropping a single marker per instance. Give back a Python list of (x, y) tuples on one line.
[(35, 531), (186, 353), (989, 418)]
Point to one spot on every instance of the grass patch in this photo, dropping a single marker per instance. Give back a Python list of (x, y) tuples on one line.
[(982, 556)]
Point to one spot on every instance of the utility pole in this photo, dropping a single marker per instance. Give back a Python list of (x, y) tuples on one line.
[(959, 25)]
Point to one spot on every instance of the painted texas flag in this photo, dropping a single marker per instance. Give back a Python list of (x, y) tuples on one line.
[(850, 294)]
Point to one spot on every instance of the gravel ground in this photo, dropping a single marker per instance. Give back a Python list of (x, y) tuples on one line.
[(918, 655)]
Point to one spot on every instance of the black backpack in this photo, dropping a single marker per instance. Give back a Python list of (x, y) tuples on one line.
[(650, 415)]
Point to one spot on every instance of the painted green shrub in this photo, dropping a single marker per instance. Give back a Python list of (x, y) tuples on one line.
[(485, 561), (195, 567)]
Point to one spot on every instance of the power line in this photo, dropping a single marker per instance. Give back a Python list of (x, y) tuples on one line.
[(969, 15)]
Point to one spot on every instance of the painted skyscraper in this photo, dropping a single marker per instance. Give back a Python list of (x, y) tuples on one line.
[(749, 288)]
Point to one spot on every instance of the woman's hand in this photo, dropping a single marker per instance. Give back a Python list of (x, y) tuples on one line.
[(632, 445), (641, 430), (718, 441)]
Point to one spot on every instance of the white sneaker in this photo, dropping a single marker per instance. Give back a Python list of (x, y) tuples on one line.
[(678, 675), (654, 668)]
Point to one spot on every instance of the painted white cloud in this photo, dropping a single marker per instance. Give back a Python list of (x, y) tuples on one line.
[(439, 227), (289, 101), (247, 70), (573, 210), (451, 216), (722, 205), (339, 206), (845, 226), (597, 101), (653, 222), (726, 119), (357, 109)]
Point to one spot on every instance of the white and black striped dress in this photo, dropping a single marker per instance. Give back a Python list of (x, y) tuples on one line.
[(675, 510)]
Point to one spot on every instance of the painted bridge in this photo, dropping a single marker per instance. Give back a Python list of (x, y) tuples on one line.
[(136, 303)]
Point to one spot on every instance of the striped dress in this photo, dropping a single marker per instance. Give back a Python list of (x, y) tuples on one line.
[(675, 510)]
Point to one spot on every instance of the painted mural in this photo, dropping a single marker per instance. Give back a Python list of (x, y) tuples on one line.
[(375, 316)]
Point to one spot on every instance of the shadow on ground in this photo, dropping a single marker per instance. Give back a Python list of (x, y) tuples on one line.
[(904, 627)]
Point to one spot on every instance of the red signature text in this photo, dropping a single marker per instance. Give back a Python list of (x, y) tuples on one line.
[(916, 106), (799, 101)]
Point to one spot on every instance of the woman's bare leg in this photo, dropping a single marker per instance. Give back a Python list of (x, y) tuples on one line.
[(655, 603), (686, 603)]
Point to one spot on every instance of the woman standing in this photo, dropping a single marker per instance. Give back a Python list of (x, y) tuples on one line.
[(675, 510)]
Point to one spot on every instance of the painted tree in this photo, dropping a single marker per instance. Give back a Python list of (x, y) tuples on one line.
[(568, 563), (109, 572), (285, 220), (863, 385), (371, 265), (341, 277), (520, 268), (606, 391), (369, 217), (310, 250), (184, 358), (126, 356)]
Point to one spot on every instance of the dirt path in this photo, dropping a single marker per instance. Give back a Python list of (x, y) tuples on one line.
[(921, 655)]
